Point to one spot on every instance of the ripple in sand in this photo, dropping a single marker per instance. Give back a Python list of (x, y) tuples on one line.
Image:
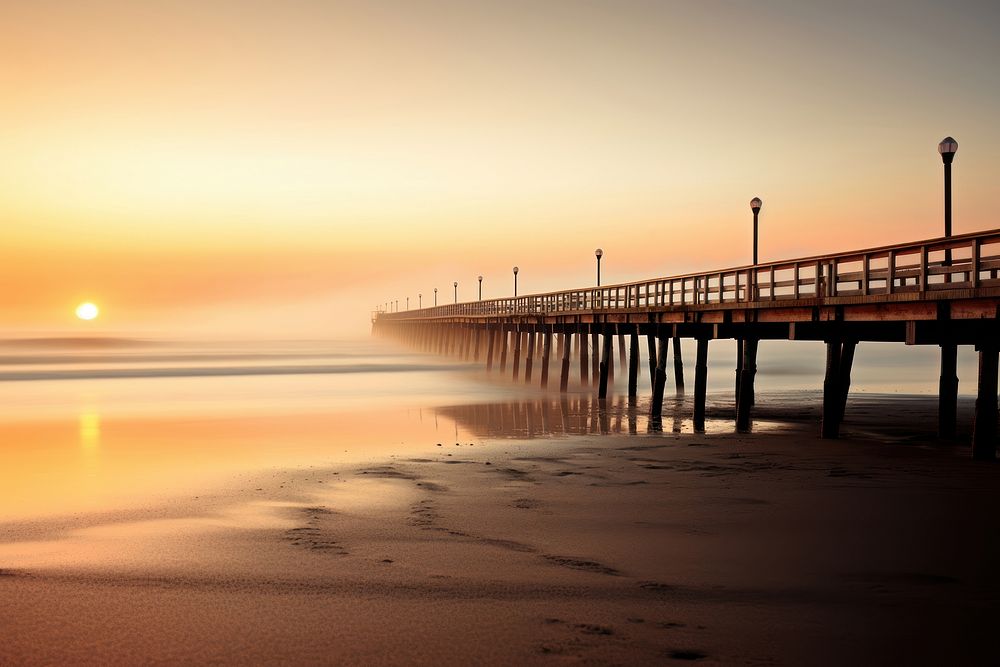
[(582, 564)]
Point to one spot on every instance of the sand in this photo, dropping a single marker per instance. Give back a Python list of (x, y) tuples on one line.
[(762, 549)]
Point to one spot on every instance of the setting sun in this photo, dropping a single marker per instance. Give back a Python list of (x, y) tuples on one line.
[(87, 311)]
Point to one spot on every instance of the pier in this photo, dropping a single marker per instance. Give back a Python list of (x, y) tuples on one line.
[(943, 292)]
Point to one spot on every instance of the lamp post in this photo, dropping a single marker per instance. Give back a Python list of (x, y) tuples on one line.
[(598, 254), (755, 204), (420, 300), (407, 303), (435, 296), (480, 288), (947, 148), (456, 291), (948, 382), (515, 282)]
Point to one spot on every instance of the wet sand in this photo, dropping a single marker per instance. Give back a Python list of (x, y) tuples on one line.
[(772, 548)]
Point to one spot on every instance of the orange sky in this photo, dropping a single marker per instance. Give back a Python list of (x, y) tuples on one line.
[(260, 168)]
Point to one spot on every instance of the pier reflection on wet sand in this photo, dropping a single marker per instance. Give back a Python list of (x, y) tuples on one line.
[(893, 417), (579, 415)]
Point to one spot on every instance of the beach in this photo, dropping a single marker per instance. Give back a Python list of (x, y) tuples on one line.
[(775, 547)]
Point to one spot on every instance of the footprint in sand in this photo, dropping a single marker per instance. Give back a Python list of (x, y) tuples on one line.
[(311, 536), (423, 514)]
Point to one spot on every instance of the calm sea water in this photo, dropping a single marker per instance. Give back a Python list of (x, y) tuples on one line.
[(98, 424)]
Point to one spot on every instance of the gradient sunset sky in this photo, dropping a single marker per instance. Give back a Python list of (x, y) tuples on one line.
[(264, 168)]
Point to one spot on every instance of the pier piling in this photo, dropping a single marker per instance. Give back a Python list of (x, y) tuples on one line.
[(678, 367), (659, 381), (605, 363), (564, 374), (948, 391), (518, 334), (700, 381), (633, 366), (984, 429), (846, 365), (595, 352), (546, 350), (739, 370), (748, 371), (504, 342), (491, 335), (529, 362), (831, 390), (651, 352)]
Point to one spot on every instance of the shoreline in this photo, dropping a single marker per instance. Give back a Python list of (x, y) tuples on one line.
[(773, 548)]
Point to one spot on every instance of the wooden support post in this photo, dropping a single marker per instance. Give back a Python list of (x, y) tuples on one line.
[(651, 351), (621, 350), (564, 375), (846, 364), (546, 350), (611, 328), (491, 336), (595, 351), (739, 370), (948, 391), (605, 363), (678, 367), (633, 366), (504, 343), (659, 381), (531, 357), (700, 383), (831, 390), (517, 352), (747, 374), (478, 334), (584, 365), (984, 428)]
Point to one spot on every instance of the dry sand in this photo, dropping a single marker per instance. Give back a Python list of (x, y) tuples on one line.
[(774, 548)]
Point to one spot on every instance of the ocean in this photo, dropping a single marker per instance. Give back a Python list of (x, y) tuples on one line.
[(95, 424)]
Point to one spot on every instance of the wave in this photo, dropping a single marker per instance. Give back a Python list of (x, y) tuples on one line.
[(220, 371), (52, 359), (75, 342)]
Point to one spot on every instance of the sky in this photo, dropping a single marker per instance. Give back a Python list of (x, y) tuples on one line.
[(267, 168)]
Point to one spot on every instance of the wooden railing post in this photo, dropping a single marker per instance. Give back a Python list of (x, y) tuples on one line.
[(891, 273), (865, 268), (976, 250)]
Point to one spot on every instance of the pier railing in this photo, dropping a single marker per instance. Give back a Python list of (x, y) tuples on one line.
[(968, 261)]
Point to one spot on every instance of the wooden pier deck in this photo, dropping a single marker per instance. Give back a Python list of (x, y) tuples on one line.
[(943, 292)]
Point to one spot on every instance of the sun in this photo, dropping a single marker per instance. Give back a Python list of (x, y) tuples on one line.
[(87, 311)]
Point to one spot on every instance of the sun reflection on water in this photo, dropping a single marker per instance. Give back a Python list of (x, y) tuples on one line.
[(90, 430)]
